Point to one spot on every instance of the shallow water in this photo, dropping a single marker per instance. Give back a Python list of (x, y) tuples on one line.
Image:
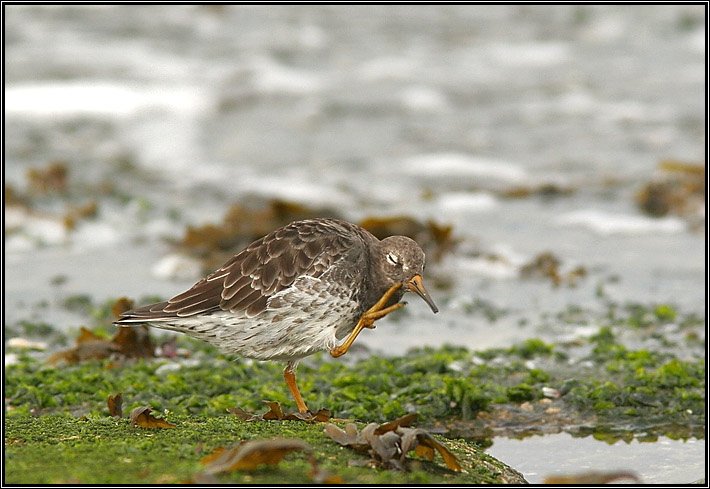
[(665, 461), (429, 112)]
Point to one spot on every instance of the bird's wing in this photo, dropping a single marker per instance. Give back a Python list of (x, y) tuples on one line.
[(262, 269)]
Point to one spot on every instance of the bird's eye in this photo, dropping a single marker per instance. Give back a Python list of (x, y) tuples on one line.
[(392, 258)]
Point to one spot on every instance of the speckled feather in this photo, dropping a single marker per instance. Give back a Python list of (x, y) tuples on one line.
[(296, 291)]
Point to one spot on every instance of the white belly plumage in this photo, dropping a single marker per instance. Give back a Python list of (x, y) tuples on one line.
[(298, 321)]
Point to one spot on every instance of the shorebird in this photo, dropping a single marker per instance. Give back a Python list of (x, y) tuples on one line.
[(298, 290)]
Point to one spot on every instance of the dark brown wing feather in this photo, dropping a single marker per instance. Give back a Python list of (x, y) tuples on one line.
[(262, 269)]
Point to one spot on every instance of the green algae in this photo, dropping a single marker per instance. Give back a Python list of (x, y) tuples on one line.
[(600, 386), (98, 449), (449, 382)]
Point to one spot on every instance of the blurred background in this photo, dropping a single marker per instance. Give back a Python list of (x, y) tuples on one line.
[(545, 156)]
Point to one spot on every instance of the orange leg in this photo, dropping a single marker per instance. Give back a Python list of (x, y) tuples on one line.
[(368, 319), (290, 377)]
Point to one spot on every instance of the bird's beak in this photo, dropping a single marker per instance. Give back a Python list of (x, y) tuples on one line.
[(416, 285)]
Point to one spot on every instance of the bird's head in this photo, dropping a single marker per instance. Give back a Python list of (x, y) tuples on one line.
[(402, 260)]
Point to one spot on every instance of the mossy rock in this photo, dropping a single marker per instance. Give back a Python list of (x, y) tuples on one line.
[(61, 449)]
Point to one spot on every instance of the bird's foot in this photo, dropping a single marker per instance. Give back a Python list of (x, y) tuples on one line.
[(368, 320)]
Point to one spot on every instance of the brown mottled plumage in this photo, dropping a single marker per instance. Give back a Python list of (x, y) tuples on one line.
[(296, 291)]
